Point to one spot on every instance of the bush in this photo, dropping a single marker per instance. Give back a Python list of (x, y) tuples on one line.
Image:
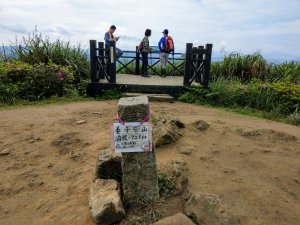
[(294, 119), (165, 184), (8, 93), (33, 82), (110, 94), (278, 97), (36, 49)]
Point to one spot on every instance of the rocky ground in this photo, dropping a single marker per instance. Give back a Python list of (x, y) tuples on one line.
[(48, 157)]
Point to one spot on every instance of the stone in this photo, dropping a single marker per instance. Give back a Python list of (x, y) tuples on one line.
[(200, 125), (185, 151), (165, 134), (177, 123), (139, 179), (132, 220), (80, 121), (108, 165), (133, 109), (177, 219), (180, 177), (105, 202), (5, 152), (207, 209)]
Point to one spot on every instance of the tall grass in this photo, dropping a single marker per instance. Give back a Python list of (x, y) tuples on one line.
[(286, 72), (247, 67), (36, 49), (277, 98), (243, 67)]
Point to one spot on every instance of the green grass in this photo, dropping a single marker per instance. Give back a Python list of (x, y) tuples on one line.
[(276, 101), (254, 66)]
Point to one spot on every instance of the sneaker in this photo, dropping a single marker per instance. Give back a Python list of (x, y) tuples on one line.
[(145, 76)]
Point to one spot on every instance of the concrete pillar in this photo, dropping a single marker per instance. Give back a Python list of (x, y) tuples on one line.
[(140, 181)]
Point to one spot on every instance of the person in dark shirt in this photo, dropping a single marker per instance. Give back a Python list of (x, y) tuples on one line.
[(145, 51)]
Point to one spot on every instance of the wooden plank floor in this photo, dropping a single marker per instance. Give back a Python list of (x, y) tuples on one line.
[(153, 80)]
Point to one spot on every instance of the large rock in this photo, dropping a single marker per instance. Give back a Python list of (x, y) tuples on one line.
[(207, 209), (177, 219), (108, 165), (165, 133), (105, 202)]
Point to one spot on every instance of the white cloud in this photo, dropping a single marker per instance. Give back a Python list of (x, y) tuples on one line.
[(233, 25)]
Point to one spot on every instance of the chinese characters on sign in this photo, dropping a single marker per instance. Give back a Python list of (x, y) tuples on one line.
[(131, 137)]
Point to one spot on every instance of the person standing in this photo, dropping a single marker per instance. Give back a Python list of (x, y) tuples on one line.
[(166, 46), (109, 36), (145, 51)]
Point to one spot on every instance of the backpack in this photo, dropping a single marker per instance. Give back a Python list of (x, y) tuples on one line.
[(140, 46), (169, 44)]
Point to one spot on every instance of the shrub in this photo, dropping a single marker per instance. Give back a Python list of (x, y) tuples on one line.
[(35, 81), (36, 49), (278, 97), (110, 94), (8, 93), (165, 184), (294, 119)]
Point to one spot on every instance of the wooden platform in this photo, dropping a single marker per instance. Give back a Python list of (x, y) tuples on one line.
[(153, 80), (138, 84)]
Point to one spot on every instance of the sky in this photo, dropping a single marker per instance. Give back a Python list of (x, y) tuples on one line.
[(245, 26)]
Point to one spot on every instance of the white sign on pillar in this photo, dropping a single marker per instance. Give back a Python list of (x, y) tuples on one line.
[(131, 137)]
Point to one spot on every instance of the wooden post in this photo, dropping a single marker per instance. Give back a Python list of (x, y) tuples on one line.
[(93, 61), (101, 54), (188, 64), (207, 65), (199, 78), (137, 61), (106, 53), (112, 62)]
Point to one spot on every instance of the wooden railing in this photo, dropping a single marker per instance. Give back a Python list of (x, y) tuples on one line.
[(196, 63)]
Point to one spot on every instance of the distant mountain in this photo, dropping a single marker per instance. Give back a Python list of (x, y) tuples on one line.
[(6, 50), (272, 57), (278, 58)]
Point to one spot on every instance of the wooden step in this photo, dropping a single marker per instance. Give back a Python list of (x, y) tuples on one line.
[(153, 97)]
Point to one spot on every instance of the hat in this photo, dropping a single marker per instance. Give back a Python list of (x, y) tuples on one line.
[(165, 31)]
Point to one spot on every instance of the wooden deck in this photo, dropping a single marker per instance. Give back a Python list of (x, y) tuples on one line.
[(153, 80), (138, 84)]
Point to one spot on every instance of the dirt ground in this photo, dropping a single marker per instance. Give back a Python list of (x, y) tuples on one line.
[(252, 164)]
